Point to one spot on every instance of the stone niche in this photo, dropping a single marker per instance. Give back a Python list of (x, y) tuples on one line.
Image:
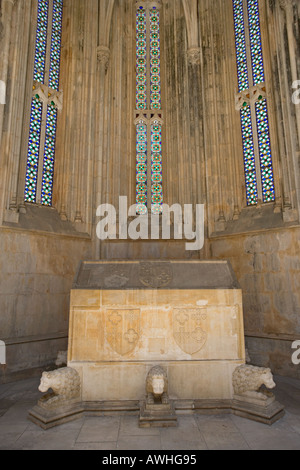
[(129, 316), (156, 339)]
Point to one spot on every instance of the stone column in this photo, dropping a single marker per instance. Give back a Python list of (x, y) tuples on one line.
[(233, 128), (191, 17), (6, 22), (15, 18), (105, 10), (290, 114), (103, 57), (195, 94), (213, 96), (287, 6)]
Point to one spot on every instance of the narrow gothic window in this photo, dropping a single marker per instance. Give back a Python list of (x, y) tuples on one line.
[(46, 100), (252, 103), (148, 114)]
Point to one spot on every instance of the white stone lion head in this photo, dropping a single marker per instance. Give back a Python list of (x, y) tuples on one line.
[(157, 382), (45, 382)]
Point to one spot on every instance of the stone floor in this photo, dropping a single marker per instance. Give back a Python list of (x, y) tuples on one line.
[(194, 432)]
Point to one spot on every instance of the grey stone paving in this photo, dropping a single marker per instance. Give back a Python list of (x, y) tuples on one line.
[(194, 432)]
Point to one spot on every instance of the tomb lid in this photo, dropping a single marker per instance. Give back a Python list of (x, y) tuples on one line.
[(145, 274)]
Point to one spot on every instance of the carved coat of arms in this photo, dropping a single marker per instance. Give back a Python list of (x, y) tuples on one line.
[(155, 275), (122, 330), (116, 277), (189, 329)]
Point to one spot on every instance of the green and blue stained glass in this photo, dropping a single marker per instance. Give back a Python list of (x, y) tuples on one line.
[(249, 156), (55, 50), (35, 146), (156, 168), (141, 168), (141, 59), (33, 150), (255, 43), (261, 112), (49, 156), (148, 99), (155, 87), (240, 42), (265, 155), (41, 41)]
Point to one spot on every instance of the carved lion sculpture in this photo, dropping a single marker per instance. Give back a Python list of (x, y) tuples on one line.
[(157, 386), (247, 378), (64, 382)]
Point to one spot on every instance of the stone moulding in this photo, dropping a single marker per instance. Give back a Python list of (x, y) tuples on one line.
[(143, 274), (252, 399), (47, 419)]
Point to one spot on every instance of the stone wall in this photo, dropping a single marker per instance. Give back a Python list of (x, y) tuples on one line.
[(37, 271), (267, 266), (40, 247), (95, 164)]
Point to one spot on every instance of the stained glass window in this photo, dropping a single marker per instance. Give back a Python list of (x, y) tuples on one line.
[(45, 103), (33, 150), (148, 110), (141, 59), (141, 167), (41, 41), (155, 59), (249, 155), (252, 103), (156, 167)]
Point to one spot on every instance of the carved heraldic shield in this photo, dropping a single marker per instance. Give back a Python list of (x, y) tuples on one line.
[(188, 329), (122, 330)]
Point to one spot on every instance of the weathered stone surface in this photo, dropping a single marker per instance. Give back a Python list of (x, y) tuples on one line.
[(267, 267), (115, 332), (96, 158), (37, 271), (148, 274)]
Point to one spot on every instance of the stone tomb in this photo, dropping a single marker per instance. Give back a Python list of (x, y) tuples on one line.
[(127, 317)]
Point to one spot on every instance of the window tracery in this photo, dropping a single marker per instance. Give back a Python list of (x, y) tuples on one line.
[(46, 101), (148, 114), (251, 101)]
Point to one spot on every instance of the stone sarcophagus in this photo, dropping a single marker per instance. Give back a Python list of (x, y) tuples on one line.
[(155, 338), (129, 316)]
